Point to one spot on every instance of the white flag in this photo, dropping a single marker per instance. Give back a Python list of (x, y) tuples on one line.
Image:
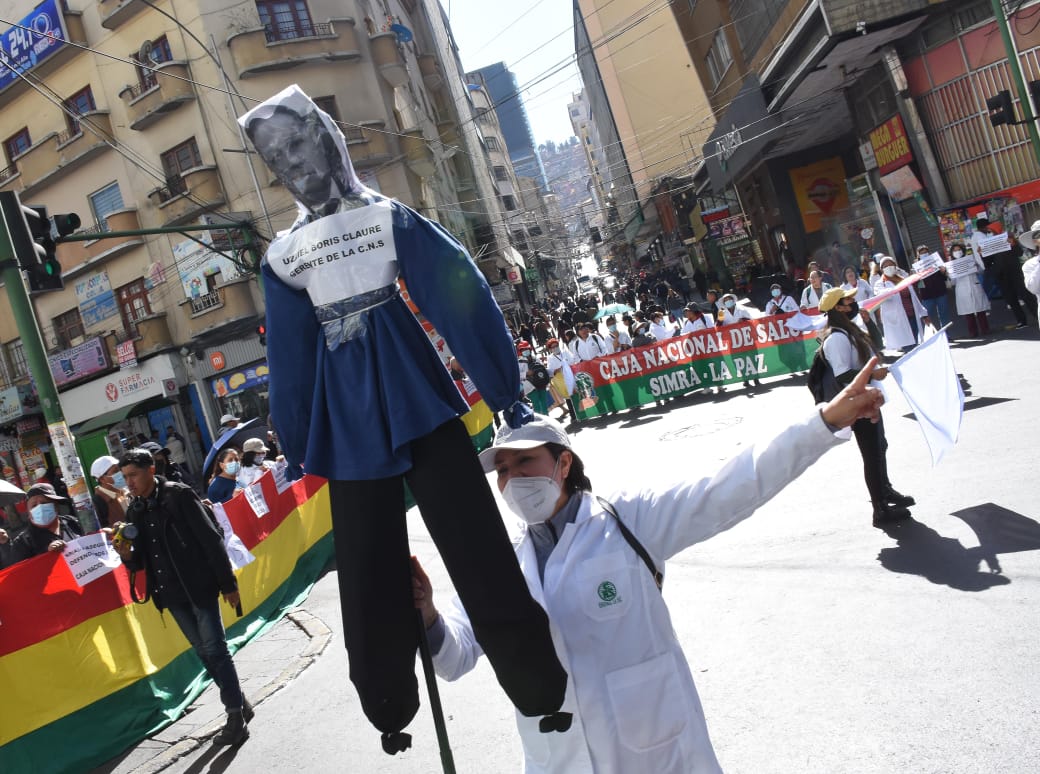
[(929, 382), (803, 323)]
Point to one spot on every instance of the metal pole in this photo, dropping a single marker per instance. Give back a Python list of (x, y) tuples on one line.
[(447, 761), (1016, 76), (36, 359)]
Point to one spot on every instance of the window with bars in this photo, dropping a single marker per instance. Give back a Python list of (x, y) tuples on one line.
[(133, 305), (17, 144), (17, 365), (108, 199), (160, 52), (178, 160), (501, 173), (509, 202), (492, 143), (68, 328), (719, 58), (77, 105), (351, 133), (285, 19)]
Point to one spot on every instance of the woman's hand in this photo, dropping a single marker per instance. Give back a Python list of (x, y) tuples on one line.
[(422, 593), (857, 401)]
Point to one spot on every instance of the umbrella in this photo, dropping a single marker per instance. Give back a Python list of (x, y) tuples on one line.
[(610, 309), (9, 493), (233, 436)]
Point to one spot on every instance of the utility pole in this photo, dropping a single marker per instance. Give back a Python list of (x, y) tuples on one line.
[(17, 246), (1016, 76)]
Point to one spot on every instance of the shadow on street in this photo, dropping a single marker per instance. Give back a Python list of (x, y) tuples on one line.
[(920, 550)]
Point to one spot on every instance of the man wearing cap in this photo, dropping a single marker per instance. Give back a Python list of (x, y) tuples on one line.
[(695, 320), (229, 421), (110, 497), (779, 302), (48, 529), (161, 455), (597, 564)]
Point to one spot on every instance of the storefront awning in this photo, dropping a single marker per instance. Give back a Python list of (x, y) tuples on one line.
[(120, 414)]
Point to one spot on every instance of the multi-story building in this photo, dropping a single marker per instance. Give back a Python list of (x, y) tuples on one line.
[(126, 115), (633, 58), (502, 85), (850, 128)]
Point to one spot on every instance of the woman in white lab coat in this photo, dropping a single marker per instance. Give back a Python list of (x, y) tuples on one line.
[(900, 331), (631, 693), (972, 301)]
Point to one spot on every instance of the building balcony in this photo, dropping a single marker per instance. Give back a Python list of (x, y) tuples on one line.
[(418, 155), (226, 304), (448, 131), (370, 148), (83, 256), (10, 178), (188, 196), (57, 154), (115, 12), (283, 46), (388, 59), (165, 90), (153, 335), (430, 69)]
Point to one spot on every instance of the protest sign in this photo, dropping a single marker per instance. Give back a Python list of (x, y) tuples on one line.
[(255, 496), (962, 267), (998, 243), (89, 558)]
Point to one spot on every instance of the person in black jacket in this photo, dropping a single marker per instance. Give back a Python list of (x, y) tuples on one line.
[(49, 529), (181, 550)]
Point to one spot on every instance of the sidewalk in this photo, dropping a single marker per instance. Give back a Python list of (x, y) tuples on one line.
[(265, 665)]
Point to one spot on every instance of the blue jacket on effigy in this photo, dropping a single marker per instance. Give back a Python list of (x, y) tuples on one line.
[(349, 412)]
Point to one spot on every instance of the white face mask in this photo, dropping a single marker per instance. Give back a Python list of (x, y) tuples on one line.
[(533, 498), (958, 253), (889, 271)]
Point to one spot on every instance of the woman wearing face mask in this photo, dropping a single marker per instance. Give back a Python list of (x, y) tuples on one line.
[(972, 301), (846, 347), (254, 462), (224, 485), (779, 302), (48, 530), (110, 497), (899, 313), (731, 312), (635, 707)]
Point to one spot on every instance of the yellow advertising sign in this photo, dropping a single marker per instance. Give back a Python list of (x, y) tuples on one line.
[(819, 189)]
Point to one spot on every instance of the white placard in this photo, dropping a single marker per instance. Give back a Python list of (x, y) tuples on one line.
[(927, 262), (280, 471), (90, 557), (962, 267), (236, 549), (993, 245), (255, 496)]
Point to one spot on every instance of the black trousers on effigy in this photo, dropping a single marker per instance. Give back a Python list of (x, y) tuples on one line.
[(375, 581)]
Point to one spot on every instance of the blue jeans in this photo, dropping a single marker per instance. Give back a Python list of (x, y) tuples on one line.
[(204, 630), (938, 310)]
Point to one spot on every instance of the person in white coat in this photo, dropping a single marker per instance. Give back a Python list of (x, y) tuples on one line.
[(900, 325), (969, 295), (779, 302), (254, 462), (595, 564)]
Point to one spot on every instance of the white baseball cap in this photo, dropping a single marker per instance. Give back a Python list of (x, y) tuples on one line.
[(100, 466), (228, 418), (538, 432)]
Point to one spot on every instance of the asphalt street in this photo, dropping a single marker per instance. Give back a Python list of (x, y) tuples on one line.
[(818, 642)]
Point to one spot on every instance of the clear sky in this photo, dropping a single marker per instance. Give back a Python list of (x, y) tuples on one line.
[(534, 38)]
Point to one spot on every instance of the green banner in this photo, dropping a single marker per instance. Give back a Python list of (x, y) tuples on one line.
[(750, 349)]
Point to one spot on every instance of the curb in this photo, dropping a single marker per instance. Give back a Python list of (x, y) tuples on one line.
[(319, 635)]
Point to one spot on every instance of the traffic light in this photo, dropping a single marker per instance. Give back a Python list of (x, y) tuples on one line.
[(33, 236), (1001, 110), (261, 331)]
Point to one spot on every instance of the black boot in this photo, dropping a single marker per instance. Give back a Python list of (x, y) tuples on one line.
[(235, 730), (892, 497), (885, 514)]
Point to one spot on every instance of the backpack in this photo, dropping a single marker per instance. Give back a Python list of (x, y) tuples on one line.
[(823, 383), (537, 374)]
